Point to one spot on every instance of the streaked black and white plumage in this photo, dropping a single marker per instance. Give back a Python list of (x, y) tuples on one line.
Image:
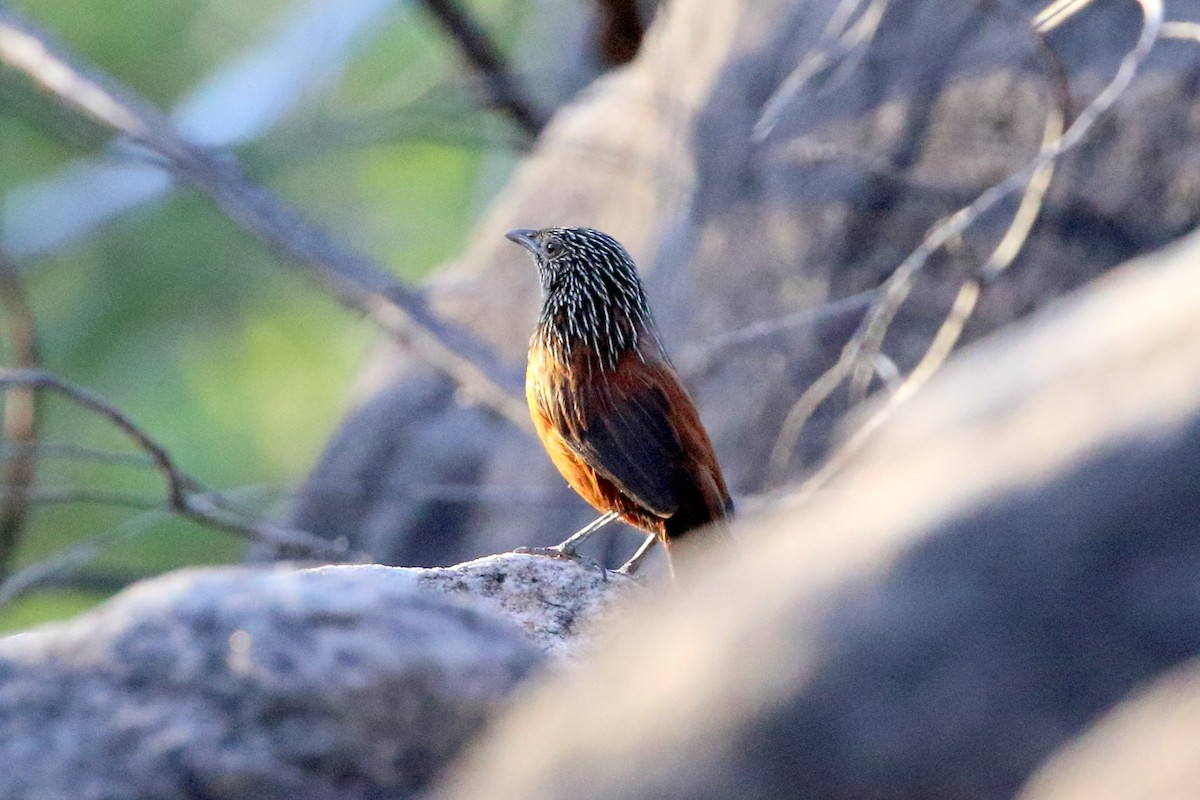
[(591, 295)]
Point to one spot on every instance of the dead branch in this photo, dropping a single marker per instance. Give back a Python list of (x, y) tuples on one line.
[(845, 38), (505, 91), (938, 351), (431, 117), (469, 494), (184, 495), (697, 359), (899, 283), (1019, 227), (70, 450), (73, 558), (1186, 31), (21, 417), (348, 275), (43, 496), (177, 484), (1056, 13)]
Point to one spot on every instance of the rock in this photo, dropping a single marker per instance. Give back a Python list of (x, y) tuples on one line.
[(339, 682), (555, 602), (1145, 749), (1010, 556)]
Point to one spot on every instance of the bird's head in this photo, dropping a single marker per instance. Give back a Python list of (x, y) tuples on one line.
[(590, 287), (579, 258)]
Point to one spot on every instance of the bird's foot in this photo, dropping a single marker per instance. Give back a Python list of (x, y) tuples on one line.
[(558, 551), (630, 567), (564, 554)]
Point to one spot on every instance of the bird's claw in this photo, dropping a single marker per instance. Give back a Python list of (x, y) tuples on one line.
[(563, 554)]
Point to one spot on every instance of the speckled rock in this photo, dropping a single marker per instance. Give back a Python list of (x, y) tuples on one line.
[(554, 602), (339, 682)]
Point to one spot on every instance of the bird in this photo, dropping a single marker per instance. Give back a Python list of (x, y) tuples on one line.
[(606, 401)]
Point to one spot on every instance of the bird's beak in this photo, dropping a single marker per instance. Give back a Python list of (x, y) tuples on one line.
[(524, 237)]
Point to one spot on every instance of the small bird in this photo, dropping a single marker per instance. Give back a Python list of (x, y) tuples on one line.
[(606, 401)]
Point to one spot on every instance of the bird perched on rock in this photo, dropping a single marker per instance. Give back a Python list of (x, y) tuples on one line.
[(605, 399)]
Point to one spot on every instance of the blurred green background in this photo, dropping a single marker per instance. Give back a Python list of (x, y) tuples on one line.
[(193, 327)]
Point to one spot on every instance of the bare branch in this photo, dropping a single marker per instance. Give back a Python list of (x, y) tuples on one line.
[(899, 283), (185, 496), (505, 91), (73, 558), (697, 359), (470, 494), (177, 484), (1056, 13), (1019, 227), (435, 116), (99, 497), (1187, 31), (351, 277), (63, 567), (69, 450), (939, 350), (849, 31), (21, 416)]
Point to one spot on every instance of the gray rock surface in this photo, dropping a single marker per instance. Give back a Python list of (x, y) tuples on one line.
[(1012, 555), (945, 100), (339, 682), (555, 603)]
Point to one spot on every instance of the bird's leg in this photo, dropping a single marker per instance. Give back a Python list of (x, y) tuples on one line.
[(567, 548), (631, 566)]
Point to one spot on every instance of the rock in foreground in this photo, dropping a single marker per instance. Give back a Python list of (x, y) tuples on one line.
[(339, 682)]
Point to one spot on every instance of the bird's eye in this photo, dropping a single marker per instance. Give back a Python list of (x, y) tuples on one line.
[(554, 248)]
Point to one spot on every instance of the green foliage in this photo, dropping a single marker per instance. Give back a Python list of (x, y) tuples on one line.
[(225, 355), (50, 604)]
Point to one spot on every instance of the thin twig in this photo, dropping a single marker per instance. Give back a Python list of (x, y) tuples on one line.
[(848, 32), (1019, 227), (505, 91), (176, 483), (72, 558), (102, 581), (939, 349), (1056, 13), (100, 497), (21, 417), (698, 358), (351, 277), (437, 115), (70, 450), (1002, 256), (1187, 31), (887, 371), (450, 493), (184, 495), (898, 284), (58, 570)]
